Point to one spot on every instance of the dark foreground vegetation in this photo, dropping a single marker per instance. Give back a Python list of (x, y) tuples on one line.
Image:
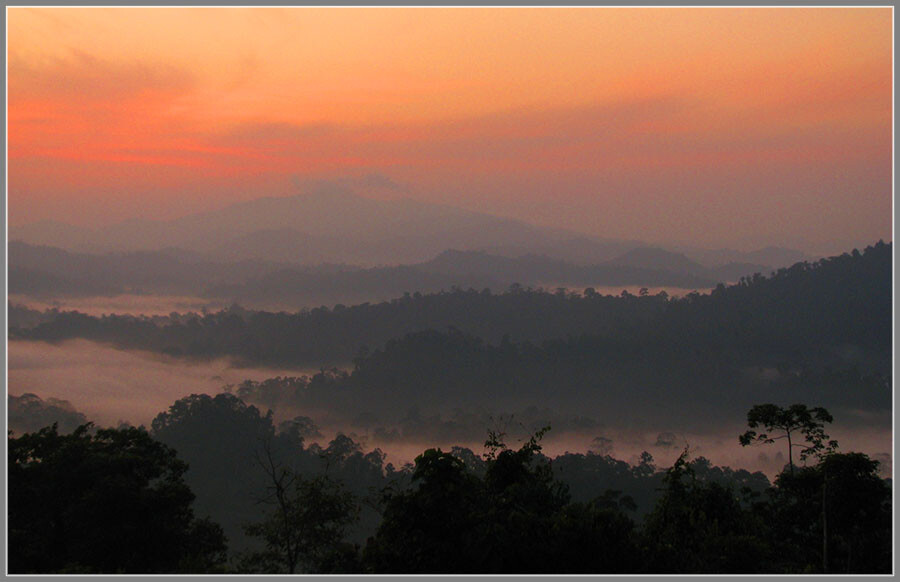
[(122, 501)]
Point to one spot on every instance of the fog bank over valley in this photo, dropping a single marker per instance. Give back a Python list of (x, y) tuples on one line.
[(109, 386)]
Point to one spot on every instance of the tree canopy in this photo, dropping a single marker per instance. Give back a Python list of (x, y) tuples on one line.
[(104, 501), (790, 423)]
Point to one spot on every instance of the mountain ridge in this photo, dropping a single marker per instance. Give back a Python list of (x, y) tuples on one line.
[(332, 224), (44, 271)]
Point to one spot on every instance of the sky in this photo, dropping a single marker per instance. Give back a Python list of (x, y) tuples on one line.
[(714, 127)]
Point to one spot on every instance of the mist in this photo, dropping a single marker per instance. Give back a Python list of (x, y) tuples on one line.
[(110, 386), (123, 304)]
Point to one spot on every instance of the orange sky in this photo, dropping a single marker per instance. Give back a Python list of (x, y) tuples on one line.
[(716, 126)]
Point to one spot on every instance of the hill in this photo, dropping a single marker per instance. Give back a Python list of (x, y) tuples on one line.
[(49, 272), (325, 224), (813, 333), (830, 315)]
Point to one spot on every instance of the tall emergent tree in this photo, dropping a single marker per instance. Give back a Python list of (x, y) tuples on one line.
[(785, 423), (305, 526)]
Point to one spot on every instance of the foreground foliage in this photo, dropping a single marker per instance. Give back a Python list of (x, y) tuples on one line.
[(516, 518), (104, 501), (115, 501)]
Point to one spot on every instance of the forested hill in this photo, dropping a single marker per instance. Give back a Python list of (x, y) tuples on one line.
[(841, 303), (840, 306), (687, 363)]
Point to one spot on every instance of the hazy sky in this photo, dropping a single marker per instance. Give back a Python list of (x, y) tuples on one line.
[(717, 126)]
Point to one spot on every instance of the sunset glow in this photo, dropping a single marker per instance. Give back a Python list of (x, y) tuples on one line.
[(437, 291), (720, 126)]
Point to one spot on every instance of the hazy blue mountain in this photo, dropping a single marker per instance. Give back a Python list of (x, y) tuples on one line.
[(660, 259), (580, 250), (524, 269), (326, 224), (775, 257), (52, 272), (49, 271), (54, 234), (332, 224), (275, 244)]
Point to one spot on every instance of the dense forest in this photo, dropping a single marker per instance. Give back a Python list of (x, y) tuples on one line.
[(836, 301), (127, 500), (817, 331)]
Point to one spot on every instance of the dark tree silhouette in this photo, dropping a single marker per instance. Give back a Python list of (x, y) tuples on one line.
[(115, 501), (834, 517), (515, 517), (105, 501), (700, 526), (790, 423), (433, 527), (306, 523), (219, 437)]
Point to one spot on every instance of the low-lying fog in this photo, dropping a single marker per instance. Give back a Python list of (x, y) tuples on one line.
[(109, 386), (617, 290), (155, 304), (125, 304)]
